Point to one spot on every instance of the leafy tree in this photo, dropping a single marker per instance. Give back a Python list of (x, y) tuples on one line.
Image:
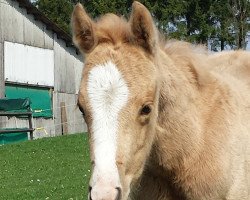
[(59, 11), (222, 21), (240, 10), (190, 20), (221, 16), (98, 7)]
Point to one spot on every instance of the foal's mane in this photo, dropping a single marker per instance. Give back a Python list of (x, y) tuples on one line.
[(184, 48), (114, 29)]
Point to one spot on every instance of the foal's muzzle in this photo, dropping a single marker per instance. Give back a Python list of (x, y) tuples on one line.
[(118, 195)]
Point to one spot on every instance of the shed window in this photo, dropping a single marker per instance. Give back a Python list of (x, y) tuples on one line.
[(28, 65)]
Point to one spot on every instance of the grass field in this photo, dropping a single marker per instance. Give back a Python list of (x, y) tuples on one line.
[(49, 168)]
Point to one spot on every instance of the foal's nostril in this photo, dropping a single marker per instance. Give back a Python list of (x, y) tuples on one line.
[(90, 188), (119, 194)]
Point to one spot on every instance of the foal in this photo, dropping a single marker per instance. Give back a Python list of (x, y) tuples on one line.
[(166, 121)]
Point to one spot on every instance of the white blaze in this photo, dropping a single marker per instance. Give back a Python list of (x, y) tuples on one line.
[(108, 94)]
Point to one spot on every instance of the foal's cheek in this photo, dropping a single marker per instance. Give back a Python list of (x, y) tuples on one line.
[(140, 149)]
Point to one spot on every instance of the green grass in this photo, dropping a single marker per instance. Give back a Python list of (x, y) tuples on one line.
[(48, 168)]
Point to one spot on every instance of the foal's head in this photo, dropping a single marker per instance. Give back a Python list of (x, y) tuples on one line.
[(118, 96)]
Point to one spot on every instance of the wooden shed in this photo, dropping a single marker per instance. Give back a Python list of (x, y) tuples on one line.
[(38, 60)]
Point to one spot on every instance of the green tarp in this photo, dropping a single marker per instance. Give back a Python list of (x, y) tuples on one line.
[(13, 137), (15, 104), (40, 98)]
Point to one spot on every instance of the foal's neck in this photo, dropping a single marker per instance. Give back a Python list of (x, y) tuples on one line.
[(179, 139), (192, 116)]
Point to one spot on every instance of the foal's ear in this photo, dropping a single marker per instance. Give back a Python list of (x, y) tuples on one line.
[(143, 28), (83, 29)]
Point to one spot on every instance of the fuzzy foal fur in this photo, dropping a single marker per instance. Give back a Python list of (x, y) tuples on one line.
[(195, 144)]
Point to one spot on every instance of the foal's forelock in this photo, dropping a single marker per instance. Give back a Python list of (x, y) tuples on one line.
[(108, 94)]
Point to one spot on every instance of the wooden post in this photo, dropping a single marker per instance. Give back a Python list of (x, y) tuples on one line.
[(31, 126), (64, 118)]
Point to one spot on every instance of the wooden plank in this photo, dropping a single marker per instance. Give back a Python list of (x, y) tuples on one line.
[(64, 118), (31, 127), (60, 65), (65, 74), (75, 120), (33, 31), (70, 102), (57, 62), (15, 113), (17, 22), (79, 123), (38, 34), (44, 127), (57, 113), (28, 27), (48, 39), (78, 67), (6, 21), (21, 130), (2, 81), (1, 24), (62, 69), (69, 72), (14, 122)]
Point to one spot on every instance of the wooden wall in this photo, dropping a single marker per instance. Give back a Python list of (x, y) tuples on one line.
[(16, 25), (1, 71), (20, 27), (1, 53)]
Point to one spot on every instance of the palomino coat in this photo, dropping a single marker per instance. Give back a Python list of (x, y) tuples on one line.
[(166, 120)]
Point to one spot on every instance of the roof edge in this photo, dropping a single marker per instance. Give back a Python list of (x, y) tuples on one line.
[(61, 34)]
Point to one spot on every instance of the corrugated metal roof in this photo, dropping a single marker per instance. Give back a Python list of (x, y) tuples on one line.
[(31, 9)]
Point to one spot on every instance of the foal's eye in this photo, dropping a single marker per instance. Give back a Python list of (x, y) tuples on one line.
[(145, 110)]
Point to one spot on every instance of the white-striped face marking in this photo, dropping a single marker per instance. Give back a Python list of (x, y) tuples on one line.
[(108, 94)]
